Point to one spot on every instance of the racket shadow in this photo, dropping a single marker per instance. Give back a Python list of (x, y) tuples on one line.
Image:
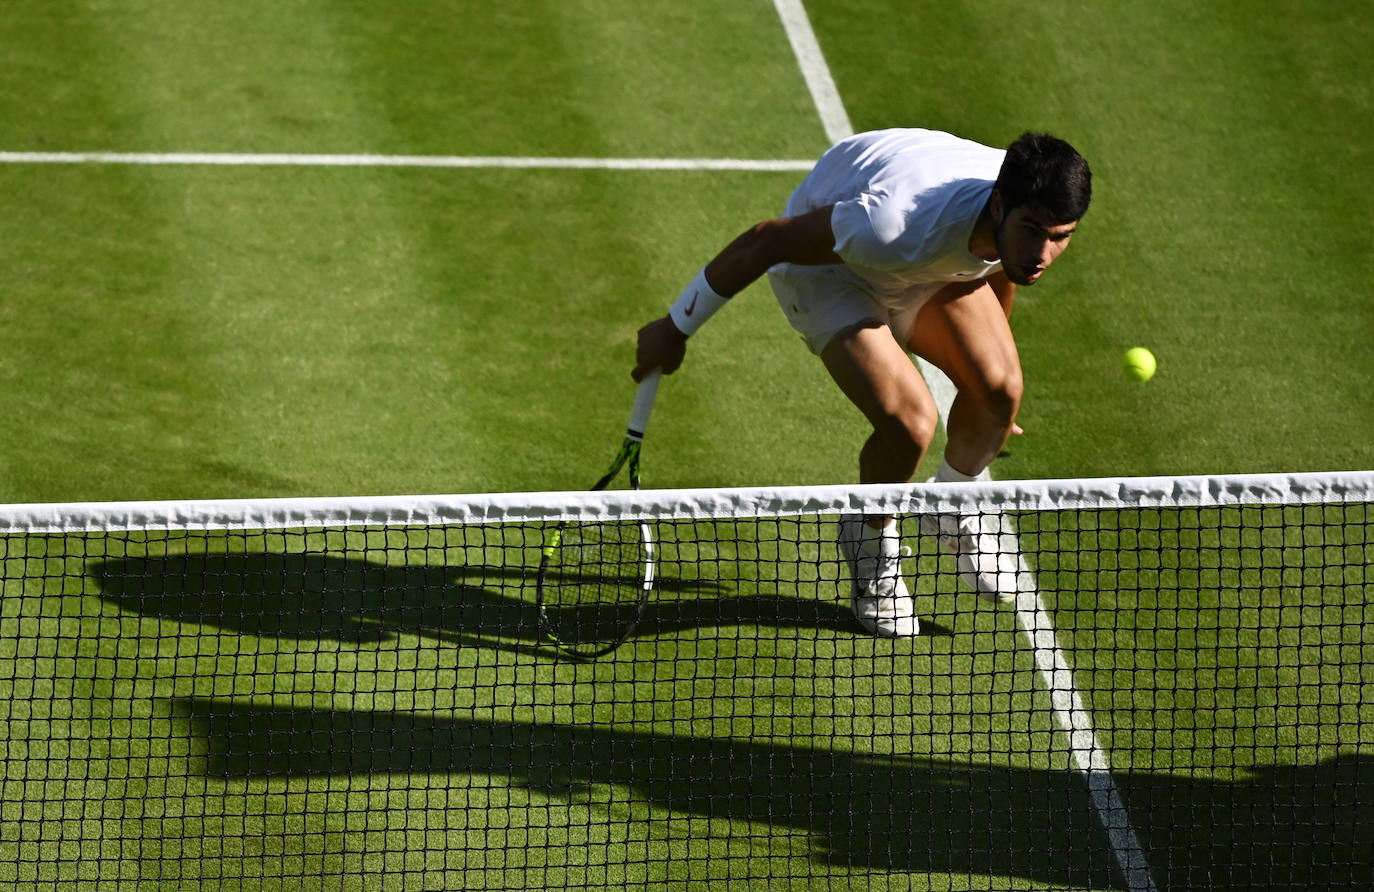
[(675, 608), (669, 616)]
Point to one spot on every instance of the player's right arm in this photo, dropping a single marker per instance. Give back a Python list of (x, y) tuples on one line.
[(806, 240)]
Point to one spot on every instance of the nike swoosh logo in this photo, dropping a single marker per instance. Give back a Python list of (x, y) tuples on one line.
[(693, 305)]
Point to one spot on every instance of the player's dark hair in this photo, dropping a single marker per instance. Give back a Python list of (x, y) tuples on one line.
[(1045, 173)]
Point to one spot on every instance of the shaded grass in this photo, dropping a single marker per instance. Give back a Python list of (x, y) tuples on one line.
[(213, 686)]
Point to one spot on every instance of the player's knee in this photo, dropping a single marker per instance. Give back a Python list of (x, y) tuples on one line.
[(1000, 393), (1009, 394), (908, 433)]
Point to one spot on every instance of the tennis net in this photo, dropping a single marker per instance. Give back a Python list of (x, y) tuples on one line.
[(364, 693)]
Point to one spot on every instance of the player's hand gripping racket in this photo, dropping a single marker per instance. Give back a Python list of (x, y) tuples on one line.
[(596, 576)]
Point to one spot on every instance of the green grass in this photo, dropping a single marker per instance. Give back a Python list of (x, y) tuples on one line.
[(328, 722)]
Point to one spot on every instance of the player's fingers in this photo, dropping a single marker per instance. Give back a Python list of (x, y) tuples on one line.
[(667, 368), (659, 346), (645, 362), (1016, 428), (644, 367)]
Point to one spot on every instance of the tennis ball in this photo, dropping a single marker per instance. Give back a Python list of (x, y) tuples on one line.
[(1139, 364)]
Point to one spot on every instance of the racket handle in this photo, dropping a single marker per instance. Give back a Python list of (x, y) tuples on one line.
[(644, 404)]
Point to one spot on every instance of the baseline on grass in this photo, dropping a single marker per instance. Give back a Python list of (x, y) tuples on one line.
[(595, 577)]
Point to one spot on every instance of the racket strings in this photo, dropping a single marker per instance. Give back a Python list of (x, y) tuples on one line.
[(595, 580)]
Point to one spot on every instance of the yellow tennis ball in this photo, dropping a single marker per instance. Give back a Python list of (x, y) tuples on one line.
[(1139, 364)]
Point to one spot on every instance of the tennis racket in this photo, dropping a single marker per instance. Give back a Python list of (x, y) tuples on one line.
[(595, 577)]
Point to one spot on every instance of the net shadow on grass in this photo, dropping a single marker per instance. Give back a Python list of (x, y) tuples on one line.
[(862, 811), (1287, 826), (324, 597)]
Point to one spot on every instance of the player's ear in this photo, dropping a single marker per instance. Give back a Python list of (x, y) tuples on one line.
[(996, 208)]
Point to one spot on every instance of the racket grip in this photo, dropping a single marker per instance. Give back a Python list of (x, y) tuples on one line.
[(644, 404)]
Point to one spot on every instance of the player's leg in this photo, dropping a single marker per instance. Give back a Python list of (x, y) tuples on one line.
[(963, 330), (848, 331), (878, 377), (875, 373)]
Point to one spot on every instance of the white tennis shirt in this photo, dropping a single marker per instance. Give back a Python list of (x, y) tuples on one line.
[(905, 203)]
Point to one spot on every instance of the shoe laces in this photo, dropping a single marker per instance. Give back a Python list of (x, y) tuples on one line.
[(882, 571)]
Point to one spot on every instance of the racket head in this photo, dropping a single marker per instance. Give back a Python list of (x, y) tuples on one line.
[(595, 579)]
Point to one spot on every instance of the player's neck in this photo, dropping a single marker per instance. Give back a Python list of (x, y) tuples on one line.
[(982, 241)]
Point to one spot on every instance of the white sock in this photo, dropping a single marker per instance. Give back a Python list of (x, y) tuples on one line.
[(946, 474), (872, 537)]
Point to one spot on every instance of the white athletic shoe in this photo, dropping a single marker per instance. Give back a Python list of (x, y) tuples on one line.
[(985, 550), (881, 602)]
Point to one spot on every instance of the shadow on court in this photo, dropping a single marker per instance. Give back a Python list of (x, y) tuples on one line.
[(306, 596), (1281, 827)]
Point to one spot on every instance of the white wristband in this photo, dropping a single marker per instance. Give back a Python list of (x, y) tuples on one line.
[(695, 305)]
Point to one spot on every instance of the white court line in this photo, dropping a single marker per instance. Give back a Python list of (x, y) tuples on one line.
[(1088, 754), (813, 68), (1093, 761), (831, 109), (455, 161)]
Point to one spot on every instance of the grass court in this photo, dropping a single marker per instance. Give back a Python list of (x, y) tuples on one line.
[(177, 331)]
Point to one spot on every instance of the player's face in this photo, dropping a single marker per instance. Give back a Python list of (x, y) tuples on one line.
[(1028, 241)]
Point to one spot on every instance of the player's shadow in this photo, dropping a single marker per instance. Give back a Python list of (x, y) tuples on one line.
[(1293, 827), (315, 596)]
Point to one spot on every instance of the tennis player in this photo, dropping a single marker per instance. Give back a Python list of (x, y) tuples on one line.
[(906, 241)]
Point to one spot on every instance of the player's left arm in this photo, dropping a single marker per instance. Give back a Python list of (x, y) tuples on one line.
[(1005, 289)]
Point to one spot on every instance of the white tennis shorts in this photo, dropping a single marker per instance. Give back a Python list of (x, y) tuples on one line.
[(822, 301)]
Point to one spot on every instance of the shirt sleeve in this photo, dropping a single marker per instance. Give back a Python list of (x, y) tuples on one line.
[(867, 231)]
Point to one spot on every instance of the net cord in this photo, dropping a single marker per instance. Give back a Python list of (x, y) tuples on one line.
[(689, 504)]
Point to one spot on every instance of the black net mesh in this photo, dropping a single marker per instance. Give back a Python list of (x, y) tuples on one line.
[(1174, 698)]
